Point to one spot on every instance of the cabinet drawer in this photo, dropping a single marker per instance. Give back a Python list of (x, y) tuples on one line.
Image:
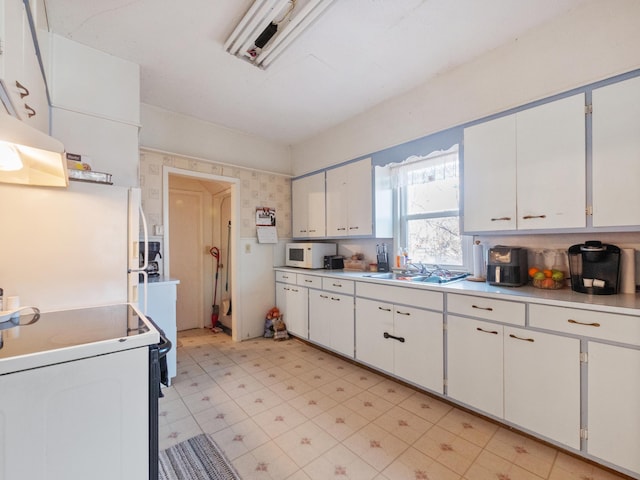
[(286, 277), (402, 296), (487, 308), (587, 323), (337, 285), (309, 281)]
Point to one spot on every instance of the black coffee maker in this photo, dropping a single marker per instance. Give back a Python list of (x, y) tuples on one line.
[(595, 268), (153, 251)]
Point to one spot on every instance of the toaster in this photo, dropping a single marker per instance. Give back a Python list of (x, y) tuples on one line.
[(507, 266), (333, 262)]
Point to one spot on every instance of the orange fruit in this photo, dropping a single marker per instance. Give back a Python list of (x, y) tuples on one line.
[(533, 271), (547, 273), (547, 283)]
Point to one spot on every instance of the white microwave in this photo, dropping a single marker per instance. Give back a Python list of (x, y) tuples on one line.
[(308, 254)]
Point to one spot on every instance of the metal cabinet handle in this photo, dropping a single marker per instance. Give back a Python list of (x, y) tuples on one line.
[(295, 290), (335, 299), (286, 288), (24, 91), (285, 276), (308, 281), (341, 228), (594, 324), (384, 309), (353, 228), (387, 335), (30, 111), (501, 219), (324, 296), (520, 338), (337, 285), (312, 231), (529, 217), (492, 332), (488, 309), (402, 313)]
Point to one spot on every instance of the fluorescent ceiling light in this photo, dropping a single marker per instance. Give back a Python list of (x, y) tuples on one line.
[(30, 157), (288, 18)]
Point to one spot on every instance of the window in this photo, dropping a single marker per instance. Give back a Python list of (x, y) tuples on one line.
[(428, 190)]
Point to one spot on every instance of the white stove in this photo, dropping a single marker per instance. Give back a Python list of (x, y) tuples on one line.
[(41, 339)]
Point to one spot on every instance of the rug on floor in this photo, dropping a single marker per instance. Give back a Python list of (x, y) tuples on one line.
[(198, 458)]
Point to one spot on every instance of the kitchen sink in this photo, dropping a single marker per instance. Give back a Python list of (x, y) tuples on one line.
[(445, 277), (437, 276)]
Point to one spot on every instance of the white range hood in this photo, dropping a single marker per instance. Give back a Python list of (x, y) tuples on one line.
[(30, 157)]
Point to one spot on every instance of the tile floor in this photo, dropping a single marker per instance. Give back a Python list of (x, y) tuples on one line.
[(285, 410)]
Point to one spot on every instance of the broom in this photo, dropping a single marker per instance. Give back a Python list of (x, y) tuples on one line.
[(215, 253)]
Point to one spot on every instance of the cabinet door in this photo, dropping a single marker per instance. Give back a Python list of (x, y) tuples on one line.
[(299, 208), (551, 165), (613, 400), (337, 194), (319, 321), (12, 25), (474, 363), (77, 420), (360, 198), (419, 358), (490, 175), (308, 206), (542, 384), (161, 308), (297, 314), (616, 154), (373, 319), (340, 317)]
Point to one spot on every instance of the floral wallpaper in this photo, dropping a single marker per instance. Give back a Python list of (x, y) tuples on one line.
[(257, 189)]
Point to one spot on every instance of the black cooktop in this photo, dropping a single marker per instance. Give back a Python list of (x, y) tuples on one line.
[(34, 333)]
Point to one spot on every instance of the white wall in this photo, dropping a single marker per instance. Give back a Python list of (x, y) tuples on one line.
[(592, 42), (172, 132)]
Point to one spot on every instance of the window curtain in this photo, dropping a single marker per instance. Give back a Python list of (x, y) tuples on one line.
[(416, 170)]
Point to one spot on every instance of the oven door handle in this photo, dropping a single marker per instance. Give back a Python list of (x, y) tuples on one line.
[(164, 346)]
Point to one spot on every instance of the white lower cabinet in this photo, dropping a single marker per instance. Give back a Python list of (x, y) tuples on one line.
[(474, 363), (292, 301), (77, 420), (161, 308), (529, 378), (542, 384), (613, 405), (404, 341), (331, 321)]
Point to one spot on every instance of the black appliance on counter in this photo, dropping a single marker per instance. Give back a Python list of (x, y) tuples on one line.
[(333, 262), (382, 257), (595, 268), (153, 251), (507, 266)]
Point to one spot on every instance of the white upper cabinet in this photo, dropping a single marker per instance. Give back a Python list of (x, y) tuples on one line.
[(308, 206), (490, 175), (20, 70), (350, 200), (527, 171), (616, 154), (551, 164)]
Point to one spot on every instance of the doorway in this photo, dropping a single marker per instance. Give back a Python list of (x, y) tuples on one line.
[(197, 209)]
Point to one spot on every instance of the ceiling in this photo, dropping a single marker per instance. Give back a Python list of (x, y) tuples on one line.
[(356, 55)]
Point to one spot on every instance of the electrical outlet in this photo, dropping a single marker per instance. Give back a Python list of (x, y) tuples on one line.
[(247, 248)]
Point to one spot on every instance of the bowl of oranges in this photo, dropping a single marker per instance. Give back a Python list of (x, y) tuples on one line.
[(547, 278)]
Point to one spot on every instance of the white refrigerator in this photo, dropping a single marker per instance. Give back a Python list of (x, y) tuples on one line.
[(69, 248)]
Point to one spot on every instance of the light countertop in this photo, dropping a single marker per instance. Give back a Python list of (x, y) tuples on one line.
[(628, 304)]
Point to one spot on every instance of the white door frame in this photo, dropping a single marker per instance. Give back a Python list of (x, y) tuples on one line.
[(235, 218)]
